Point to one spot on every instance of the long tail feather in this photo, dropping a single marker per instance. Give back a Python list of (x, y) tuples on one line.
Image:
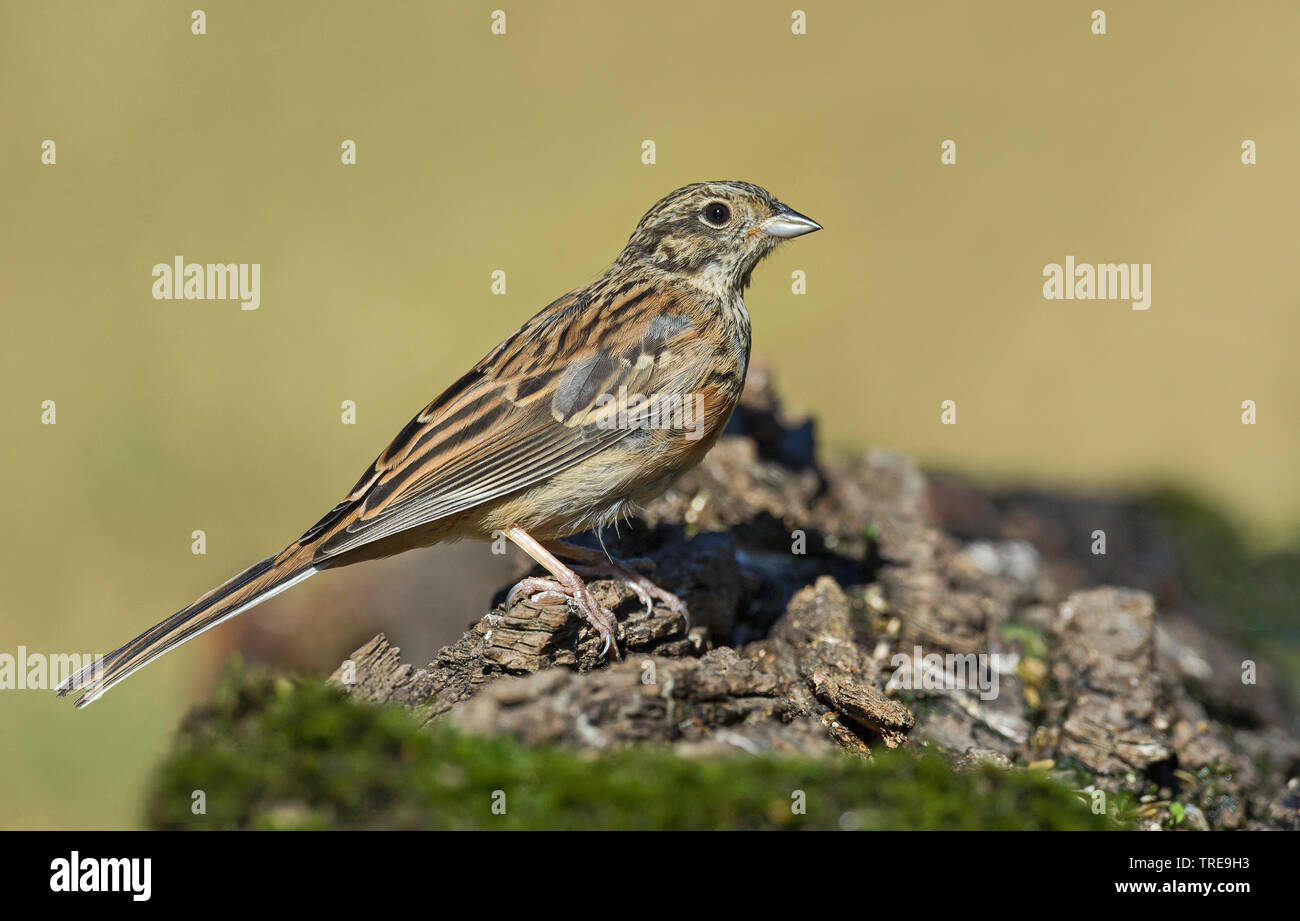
[(251, 587)]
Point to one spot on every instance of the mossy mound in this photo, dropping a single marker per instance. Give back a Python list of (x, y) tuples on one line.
[(272, 753)]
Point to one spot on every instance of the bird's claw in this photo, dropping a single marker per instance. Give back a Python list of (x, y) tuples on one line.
[(601, 619), (536, 589), (644, 589)]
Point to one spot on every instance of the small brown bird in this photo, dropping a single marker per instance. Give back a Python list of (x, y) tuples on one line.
[(595, 405)]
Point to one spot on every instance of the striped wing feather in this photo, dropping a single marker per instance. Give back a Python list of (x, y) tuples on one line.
[(517, 418)]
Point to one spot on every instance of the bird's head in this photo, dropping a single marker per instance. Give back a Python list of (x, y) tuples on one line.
[(713, 234)]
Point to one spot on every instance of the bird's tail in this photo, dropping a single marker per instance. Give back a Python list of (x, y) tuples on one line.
[(252, 586)]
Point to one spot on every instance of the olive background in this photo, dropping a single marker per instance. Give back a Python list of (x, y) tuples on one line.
[(522, 152)]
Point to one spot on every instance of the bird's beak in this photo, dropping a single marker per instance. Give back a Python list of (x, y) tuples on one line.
[(787, 223)]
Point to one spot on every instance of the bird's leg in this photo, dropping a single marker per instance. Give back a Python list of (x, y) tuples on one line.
[(593, 563), (567, 584)]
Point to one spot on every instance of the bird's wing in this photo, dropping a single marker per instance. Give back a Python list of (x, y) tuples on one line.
[(538, 404)]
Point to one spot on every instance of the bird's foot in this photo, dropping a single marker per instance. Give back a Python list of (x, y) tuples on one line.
[(536, 590), (572, 589), (646, 590)]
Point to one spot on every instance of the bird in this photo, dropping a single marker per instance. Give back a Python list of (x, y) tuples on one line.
[(590, 409)]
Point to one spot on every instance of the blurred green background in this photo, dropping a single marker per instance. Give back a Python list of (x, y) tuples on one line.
[(522, 152)]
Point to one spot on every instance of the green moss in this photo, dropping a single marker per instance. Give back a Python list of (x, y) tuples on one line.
[(1028, 636), (1177, 812), (269, 753), (1219, 567), (1257, 590)]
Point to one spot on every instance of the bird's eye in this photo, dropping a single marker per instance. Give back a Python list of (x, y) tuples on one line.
[(716, 213)]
